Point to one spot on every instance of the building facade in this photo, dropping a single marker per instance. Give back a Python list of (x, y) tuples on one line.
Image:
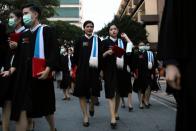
[(148, 12), (70, 11)]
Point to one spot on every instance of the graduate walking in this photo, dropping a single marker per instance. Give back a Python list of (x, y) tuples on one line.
[(5, 91), (116, 70), (16, 24), (65, 68), (87, 59), (33, 95)]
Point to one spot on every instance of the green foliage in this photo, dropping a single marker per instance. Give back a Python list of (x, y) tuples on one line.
[(66, 33), (46, 5), (134, 30)]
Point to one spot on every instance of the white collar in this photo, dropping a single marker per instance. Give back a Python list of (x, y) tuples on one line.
[(35, 28), (89, 37), (20, 29), (113, 39)]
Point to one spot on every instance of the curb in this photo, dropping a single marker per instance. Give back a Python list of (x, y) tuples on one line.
[(163, 97)]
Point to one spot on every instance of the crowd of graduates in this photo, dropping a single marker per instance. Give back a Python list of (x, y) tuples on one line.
[(31, 60)]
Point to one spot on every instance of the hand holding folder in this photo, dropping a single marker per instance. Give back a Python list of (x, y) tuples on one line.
[(15, 37), (39, 65), (119, 52)]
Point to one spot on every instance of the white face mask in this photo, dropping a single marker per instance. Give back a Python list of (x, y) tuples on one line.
[(62, 50), (12, 22), (142, 48), (27, 19), (147, 47)]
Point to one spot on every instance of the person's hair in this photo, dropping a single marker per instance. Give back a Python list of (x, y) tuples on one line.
[(18, 14), (33, 7), (111, 24), (87, 22), (108, 28)]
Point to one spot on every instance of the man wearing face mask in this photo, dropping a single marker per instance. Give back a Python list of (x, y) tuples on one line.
[(151, 74), (139, 73), (34, 93), (144, 74)]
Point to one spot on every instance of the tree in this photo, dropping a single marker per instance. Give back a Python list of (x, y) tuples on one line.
[(66, 33), (46, 5), (134, 30)]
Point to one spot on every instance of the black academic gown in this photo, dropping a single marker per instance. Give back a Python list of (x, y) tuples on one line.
[(13, 76), (177, 46), (141, 70), (145, 77), (30, 94), (5, 55), (87, 78), (66, 73), (151, 79), (116, 80)]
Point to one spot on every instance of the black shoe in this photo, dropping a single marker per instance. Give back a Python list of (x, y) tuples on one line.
[(117, 118), (86, 124), (55, 129), (147, 106), (113, 125), (130, 109), (141, 107), (64, 99), (91, 113)]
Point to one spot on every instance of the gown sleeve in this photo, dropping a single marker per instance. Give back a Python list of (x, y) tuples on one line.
[(52, 49), (76, 53)]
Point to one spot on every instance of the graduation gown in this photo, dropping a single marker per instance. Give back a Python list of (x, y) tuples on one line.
[(177, 46), (141, 71), (152, 82), (12, 55), (31, 94), (4, 64), (116, 80), (66, 73), (87, 78)]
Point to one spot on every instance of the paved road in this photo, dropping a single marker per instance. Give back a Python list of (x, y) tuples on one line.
[(160, 117)]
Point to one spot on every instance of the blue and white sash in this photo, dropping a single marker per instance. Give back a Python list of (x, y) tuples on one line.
[(93, 61), (39, 44), (129, 47), (150, 59), (120, 61)]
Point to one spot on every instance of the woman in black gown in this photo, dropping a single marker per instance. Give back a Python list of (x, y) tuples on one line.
[(116, 71), (15, 23), (87, 58), (66, 80), (4, 75)]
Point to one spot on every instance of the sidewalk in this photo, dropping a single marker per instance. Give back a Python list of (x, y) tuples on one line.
[(162, 95)]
